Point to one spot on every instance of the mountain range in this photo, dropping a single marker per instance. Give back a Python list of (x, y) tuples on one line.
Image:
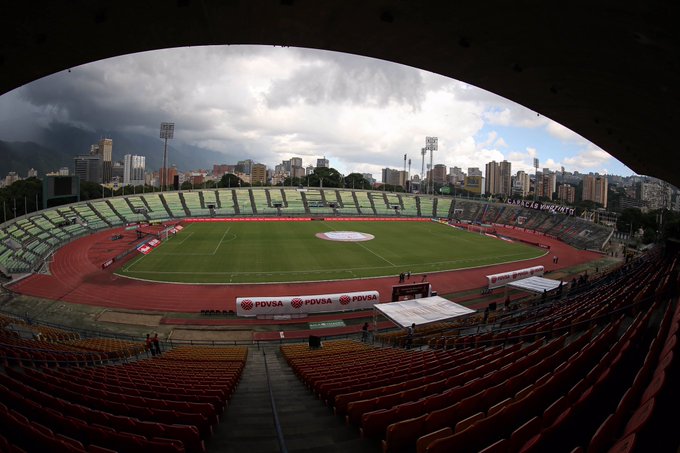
[(56, 146)]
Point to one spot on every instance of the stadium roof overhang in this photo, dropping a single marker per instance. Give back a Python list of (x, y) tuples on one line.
[(421, 311), (536, 284), (607, 70)]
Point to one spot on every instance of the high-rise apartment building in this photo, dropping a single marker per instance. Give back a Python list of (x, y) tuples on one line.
[(222, 169), (133, 169), (566, 193), (258, 174), (654, 194), (105, 150), (474, 171), (498, 178), (474, 184), (244, 166), (296, 161), (391, 176), (438, 174), (88, 168), (456, 175), (505, 169), (545, 184), (595, 189), (322, 163), (117, 172), (522, 184)]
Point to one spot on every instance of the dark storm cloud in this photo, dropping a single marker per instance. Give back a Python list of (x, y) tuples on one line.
[(267, 104)]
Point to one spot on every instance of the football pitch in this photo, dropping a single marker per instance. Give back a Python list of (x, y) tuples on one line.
[(259, 252)]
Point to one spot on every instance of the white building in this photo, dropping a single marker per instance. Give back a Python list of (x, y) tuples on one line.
[(133, 170)]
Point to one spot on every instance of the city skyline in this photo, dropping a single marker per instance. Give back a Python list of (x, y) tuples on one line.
[(270, 104)]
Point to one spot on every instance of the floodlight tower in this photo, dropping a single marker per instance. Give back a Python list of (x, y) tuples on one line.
[(422, 170), (431, 144), (409, 175), (536, 178), (405, 178), (167, 132)]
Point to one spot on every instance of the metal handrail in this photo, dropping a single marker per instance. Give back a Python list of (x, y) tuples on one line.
[(277, 424)]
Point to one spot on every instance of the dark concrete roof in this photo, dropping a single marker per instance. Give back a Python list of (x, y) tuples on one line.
[(608, 70)]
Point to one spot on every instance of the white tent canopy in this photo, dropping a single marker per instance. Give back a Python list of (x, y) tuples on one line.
[(421, 311), (536, 284)]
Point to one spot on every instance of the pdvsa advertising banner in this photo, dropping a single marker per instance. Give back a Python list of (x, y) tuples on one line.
[(288, 305), (498, 280)]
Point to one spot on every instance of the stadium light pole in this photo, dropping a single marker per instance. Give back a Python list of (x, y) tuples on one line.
[(422, 169), (409, 175), (167, 132), (431, 144), (535, 178)]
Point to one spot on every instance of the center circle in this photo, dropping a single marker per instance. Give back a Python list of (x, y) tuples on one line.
[(345, 236)]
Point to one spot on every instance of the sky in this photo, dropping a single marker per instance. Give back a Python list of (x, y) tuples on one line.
[(271, 103)]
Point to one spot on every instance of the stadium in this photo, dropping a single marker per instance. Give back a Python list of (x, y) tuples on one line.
[(584, 364)]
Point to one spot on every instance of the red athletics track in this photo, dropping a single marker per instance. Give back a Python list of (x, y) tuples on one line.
[(77, 277)]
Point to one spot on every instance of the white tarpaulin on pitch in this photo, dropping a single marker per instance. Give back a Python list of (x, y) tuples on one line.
[(422, 311), (536, 284)]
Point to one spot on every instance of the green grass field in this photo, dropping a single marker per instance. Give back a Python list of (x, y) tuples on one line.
[(250, 252)]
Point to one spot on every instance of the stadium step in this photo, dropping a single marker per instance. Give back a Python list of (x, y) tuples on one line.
[(307, 425)]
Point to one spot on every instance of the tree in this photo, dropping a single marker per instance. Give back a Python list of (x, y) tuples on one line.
[(294, 181), (21, 194), (389, 188), (357, 181), (186, 185), (231, 180), (90, 190), (326, 177)]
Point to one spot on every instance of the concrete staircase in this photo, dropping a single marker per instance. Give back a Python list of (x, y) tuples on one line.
[(306, 424)]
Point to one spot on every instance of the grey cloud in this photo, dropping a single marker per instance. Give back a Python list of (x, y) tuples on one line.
[(348, 79)]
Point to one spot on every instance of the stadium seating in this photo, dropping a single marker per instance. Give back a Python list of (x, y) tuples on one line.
[(123, 209), (104, 211), (410, 207), (444, 206), (209, 198), (295, 206), (243, 200), (364, 202), (137, 205), (56, 397), (226, 205), (381, 204), (157, 210), (40, 234), (174, 204), (192, 201), (349, 207), (589, 371), (262, 203), (426, 206), (275, 196)]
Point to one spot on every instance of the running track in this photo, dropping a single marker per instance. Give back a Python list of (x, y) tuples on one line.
[(77, 277)]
